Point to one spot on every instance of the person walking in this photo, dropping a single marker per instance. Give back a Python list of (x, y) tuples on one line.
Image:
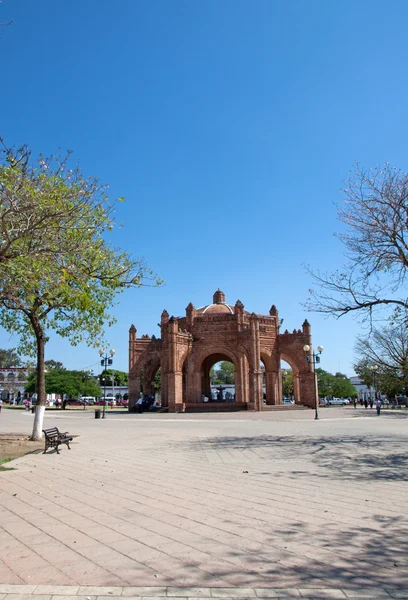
[(365, 403), (355, 403), (378, 406)]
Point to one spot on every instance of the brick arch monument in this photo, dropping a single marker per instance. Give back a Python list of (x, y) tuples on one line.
[(189, 346)]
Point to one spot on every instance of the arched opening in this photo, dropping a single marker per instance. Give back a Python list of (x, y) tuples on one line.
[(218, 375), (222, 376), (156, 384), (11, 377), (290, 385), (152, 378)]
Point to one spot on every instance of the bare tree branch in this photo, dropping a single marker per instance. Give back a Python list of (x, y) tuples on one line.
[(375, 211)]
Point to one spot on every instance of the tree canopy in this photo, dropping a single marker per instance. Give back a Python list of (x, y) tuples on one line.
[(57, 270), (376, 241), (53, 364), (63, 381), (118, 377), (223, 373), (337, 385), (9, 358), (287, 383)]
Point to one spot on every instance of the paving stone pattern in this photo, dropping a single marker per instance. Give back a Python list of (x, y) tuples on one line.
[(226, 505)]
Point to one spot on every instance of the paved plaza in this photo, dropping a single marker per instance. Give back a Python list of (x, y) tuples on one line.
[(250, 505)]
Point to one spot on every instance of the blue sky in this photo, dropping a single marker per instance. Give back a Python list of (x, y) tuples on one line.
[(228, 125)]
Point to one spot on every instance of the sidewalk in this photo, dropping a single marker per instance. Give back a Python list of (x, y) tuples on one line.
[(47, 592), (272, 503)]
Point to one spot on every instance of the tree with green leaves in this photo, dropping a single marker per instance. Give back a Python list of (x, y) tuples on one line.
[(9, 358), (157, 381), (338, 385), (115, 376), (66, 382), (342, 387), (223, 373), (287, 383), (53, 364), (60, 275)]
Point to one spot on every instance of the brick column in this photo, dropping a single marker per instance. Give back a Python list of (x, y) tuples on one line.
[(134, 386), (307, 397), (175, 391), (270, 387), (255, 366)]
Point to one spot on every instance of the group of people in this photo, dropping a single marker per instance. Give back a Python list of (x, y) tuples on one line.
[(147, 402), (370, 402), (218, 396)]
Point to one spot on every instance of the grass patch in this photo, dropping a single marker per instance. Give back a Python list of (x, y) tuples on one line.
[(5, 460), (13, 446)]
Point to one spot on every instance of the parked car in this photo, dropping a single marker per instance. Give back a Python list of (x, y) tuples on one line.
[(122, 402), (109, 401), (339, 401), (77, 402), (288, 401)]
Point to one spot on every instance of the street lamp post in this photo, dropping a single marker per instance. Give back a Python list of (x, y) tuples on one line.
[(106, 359), (374, 370), (314, 359)]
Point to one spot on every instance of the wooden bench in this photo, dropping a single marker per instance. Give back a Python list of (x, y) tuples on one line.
[(53, 438)]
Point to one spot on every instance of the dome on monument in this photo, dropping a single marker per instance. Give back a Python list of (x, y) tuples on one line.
[(219, 306)]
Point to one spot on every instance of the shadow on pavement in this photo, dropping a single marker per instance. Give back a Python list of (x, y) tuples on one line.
[(342, 457)]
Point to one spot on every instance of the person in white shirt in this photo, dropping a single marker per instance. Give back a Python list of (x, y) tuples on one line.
[(139, 403)]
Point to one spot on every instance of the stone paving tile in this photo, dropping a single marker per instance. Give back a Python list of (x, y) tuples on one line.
[(323, 594), (144, 591), (27, 597), (238, 593), (89, 590), (191, 591), (374, 593), (266, 593), (61, 590), (58, 597), (16, 589), (278, 593)]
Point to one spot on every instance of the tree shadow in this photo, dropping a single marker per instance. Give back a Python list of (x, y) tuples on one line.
[(369, 458), (372, 553)]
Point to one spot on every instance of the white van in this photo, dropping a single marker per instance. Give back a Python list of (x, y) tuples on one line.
[(88, 399)]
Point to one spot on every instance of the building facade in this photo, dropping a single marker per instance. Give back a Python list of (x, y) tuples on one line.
[(189, 347), (12, 383)]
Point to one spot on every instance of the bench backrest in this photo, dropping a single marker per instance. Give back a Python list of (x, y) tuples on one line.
[(52, 432)]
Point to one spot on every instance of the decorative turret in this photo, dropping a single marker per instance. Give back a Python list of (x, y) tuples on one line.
[(239, 307), (190, 307), (306, 327), (190, 314), (164, 317), (219, 297), (132, 333), (273, 311)]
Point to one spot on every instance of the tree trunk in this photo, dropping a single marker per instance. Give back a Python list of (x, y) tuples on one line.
[(41, 399)]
